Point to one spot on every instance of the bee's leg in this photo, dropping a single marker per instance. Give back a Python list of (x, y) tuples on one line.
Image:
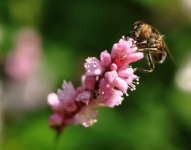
[(150, 62), (127, 35), (159, 38), (146, 49), (141, 43)]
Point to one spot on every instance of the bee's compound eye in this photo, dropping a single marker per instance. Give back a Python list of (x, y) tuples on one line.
[(139, 25), (137, 33)]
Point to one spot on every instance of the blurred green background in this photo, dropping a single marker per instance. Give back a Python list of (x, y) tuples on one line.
[(157, 116)]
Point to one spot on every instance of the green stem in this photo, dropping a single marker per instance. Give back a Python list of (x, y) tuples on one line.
[(56, 140)]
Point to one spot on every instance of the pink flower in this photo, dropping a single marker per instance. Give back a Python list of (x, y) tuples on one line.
[(54, 102), (134, 57), (55, 119), (105, 59), (131, 83), (105, 90), (79, 90), (116, 98), (114, 51), (66, 96), (120, 61), (90, 83), (93, 67), (120, 84), (85, 116), (83, 80), (125, 72), (124, 53), (105, 93), (108, 96), (67, 93), (84, 97), (70, 106), (113, 67), (123, 48), (103, 83), (110, 76)]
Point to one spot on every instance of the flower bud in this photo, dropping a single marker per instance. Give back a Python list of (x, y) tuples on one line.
[(105, 59)]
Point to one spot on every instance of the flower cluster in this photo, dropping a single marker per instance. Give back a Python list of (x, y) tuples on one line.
[(105, 82)]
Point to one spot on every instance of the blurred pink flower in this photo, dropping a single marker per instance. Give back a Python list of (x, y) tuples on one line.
[(66, 96), (84, 97), (67, 93), (23, 61), (54, 102), (29, 82), (85, 116), (55, 119)]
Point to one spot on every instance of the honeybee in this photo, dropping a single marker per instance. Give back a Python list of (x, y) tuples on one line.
[(150, 40)]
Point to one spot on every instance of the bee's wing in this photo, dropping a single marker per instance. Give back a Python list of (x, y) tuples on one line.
[(169, 53), (166, 47)]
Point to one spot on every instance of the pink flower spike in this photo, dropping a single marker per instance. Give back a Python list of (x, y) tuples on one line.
[(113, 67), (105, 59), (85, 116), (120, 84), (54, 102), (104, 83), (55, 119), (90, 83), (84, 97), (93, 67), (134, 57), (125, 72)]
